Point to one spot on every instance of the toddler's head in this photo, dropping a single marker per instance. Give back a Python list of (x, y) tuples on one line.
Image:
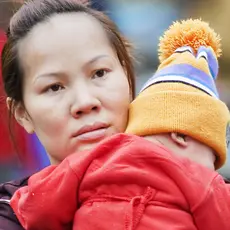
[(179, 106)]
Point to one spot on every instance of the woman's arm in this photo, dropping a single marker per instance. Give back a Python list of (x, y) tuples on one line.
[(8, 220)]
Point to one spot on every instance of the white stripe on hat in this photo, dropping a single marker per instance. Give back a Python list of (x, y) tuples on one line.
[(184, 49), (176, 78), (202, 54)]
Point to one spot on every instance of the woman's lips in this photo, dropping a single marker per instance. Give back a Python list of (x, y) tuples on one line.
[(91, 132), (93, 135)]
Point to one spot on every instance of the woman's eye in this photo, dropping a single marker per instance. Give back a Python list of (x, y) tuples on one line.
[(55, 87), (100, 73)]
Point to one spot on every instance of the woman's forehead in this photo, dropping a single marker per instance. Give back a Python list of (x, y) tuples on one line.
[(73, 35), (70, 31)]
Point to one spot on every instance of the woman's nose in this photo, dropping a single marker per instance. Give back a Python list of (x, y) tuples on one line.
[(85, 101)]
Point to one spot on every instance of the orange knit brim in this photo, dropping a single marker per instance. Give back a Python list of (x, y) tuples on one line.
[(176, 107)]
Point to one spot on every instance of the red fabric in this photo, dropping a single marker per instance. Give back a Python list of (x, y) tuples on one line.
[(7, 149), (125, 183)]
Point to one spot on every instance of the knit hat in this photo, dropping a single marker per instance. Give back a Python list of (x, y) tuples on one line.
[(182, 96)]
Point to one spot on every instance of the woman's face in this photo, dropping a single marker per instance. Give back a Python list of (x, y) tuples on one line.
[(75, 90)]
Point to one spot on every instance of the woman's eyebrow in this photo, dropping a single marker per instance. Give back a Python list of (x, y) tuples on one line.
[(97, 58), (51, 74), (60, 74)]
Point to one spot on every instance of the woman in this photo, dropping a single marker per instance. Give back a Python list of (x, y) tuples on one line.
[(68, 77)]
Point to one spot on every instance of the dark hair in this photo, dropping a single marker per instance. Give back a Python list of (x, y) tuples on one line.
[(35, 11)]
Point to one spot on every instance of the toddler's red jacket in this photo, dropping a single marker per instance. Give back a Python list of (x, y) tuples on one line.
[(125, 183)]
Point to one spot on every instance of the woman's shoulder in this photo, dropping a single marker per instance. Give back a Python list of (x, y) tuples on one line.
[(7, 189), (8, 220)]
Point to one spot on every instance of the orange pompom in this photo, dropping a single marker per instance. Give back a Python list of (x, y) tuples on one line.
[(193, 33)]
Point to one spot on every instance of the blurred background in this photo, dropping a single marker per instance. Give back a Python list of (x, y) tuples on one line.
[(143, 22)]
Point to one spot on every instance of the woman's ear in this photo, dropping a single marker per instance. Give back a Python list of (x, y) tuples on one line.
[(179, 139), (9, 102), (20, 115)]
